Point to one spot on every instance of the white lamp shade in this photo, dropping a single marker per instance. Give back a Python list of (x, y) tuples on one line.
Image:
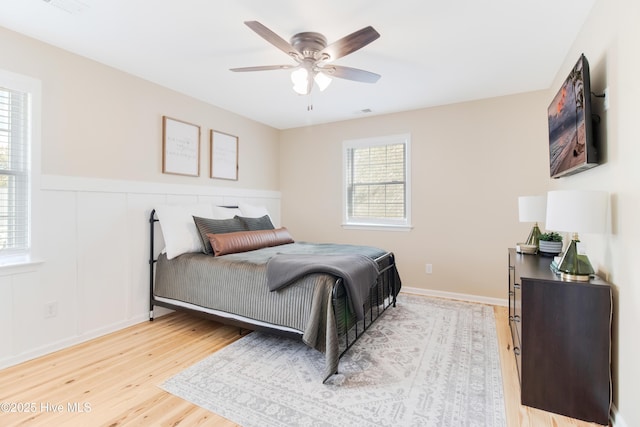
[(577, 211), (532, 208)]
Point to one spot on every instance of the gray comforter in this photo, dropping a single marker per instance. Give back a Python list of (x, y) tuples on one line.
[(237, 283)]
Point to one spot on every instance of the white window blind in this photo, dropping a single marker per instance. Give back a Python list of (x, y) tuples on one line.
[(376, 181), (14, 171)]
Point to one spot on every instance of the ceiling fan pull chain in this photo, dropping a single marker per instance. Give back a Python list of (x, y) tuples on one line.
[(309, 102)]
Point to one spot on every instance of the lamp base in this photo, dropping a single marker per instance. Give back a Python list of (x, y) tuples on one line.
[(573, 265), (575, 277), (534, 235)]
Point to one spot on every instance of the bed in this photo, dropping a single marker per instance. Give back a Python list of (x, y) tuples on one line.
[(296, 289)]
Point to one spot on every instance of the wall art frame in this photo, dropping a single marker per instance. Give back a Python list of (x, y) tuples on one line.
[(223, 151), (180, 147)]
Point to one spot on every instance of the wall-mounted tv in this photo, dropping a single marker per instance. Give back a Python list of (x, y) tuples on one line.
[(572, 145)]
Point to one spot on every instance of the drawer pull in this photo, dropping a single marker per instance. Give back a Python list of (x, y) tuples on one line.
[(516, 351), (516, 318)]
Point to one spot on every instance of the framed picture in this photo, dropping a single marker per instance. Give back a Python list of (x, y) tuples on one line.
[(180, 147), (224, 156)]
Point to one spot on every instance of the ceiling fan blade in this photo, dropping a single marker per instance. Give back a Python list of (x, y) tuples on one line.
[(350, 43), (273, 38), (263, 68), (350, 73)]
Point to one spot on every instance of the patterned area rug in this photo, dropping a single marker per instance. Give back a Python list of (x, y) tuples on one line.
[(426, 362)]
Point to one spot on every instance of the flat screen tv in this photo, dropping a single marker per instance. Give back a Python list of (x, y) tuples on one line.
[(572, 145)]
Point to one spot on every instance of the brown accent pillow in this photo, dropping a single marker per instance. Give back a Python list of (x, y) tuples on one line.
[(243, 241), (216, 226)]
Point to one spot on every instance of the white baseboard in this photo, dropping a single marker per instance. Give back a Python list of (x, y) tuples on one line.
[(456, 296)]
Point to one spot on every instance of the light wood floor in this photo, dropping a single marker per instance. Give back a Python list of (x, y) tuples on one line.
[(115, 379)]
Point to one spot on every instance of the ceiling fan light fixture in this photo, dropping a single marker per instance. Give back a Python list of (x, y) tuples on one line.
[(300, 89), (322, 80), (311, 52), (300, 80)]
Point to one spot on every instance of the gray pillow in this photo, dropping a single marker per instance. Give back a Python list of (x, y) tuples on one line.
[(254, 224), (216, 226)]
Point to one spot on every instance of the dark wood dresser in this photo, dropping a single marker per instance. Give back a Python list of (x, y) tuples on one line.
[(561, 335)]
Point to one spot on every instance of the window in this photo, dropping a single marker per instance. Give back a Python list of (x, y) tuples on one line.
[(14, 171), (376, 182)]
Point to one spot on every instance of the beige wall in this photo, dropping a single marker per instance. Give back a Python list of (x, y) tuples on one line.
[(470, 162), (99, 122), (610, 40)]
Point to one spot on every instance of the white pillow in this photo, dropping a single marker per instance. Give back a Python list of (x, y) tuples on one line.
[(178, 229), (251, 211), (220, 212)]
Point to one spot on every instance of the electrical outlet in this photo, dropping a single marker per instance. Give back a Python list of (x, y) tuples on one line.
[(51, 309), (429, 269)]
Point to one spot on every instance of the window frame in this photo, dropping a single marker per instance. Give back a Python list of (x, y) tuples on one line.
[(377, 223), (33, 88)]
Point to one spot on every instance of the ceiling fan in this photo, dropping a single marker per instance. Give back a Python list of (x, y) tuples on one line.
[(313, 57)]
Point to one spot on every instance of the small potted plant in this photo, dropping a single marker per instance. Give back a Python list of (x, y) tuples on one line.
[(550, 243)]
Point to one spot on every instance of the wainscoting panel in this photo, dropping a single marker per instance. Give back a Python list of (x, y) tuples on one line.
[(59, 250), (94, 273), (31, 328), (103, 251), (6, 317)]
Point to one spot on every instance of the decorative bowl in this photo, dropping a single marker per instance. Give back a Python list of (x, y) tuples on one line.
[(524, 248)]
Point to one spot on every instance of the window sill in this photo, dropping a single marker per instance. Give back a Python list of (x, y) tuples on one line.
[(377, 227), (18, 264)]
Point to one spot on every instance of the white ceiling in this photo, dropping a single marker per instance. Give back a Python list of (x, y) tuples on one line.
[(430, 52)]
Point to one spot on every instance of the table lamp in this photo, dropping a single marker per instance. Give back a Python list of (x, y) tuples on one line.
[(532, 209), (576, 211)]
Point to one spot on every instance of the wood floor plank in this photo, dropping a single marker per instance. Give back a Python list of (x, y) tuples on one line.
[(118, 377)]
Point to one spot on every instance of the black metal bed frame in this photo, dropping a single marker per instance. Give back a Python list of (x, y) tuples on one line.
[(381, 296)]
